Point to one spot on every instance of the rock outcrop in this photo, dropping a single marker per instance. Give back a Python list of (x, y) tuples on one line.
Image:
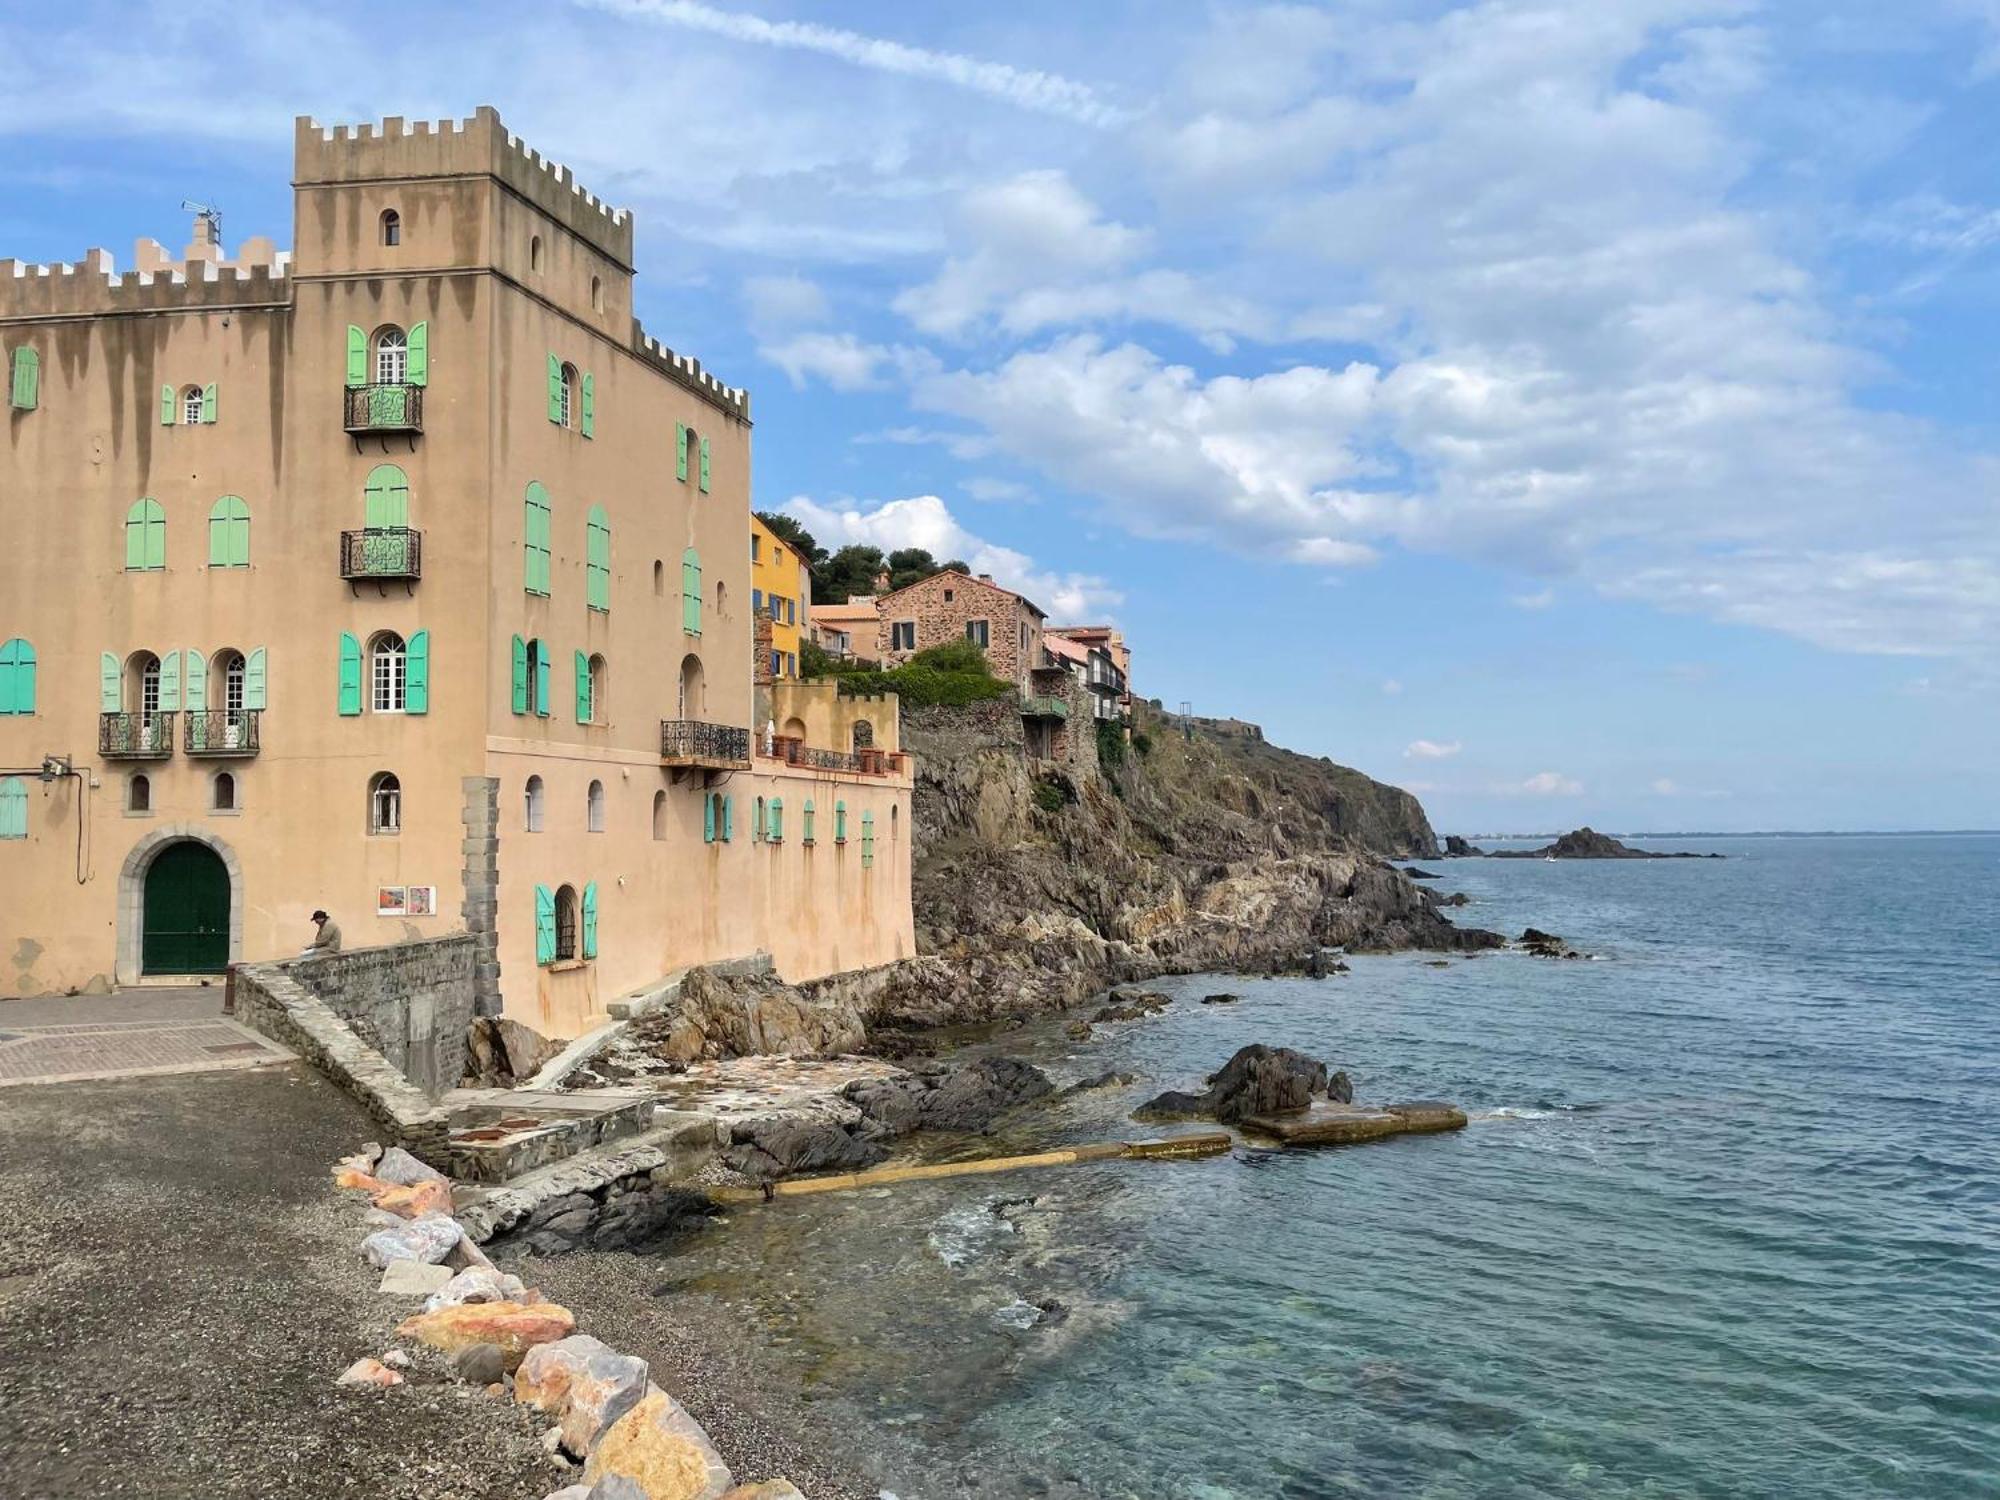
[(1588, 843), (1258, 1080)]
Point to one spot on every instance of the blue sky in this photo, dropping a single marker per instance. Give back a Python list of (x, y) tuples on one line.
[(1576, 412)]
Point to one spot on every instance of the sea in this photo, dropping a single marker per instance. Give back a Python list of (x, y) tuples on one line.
[(1725, 1222)]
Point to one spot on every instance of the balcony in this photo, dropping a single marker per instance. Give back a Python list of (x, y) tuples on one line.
[(1041, 707), (388, 554), (386, 410), (688, 744), (135, 736), (864, 762), (219, 733)]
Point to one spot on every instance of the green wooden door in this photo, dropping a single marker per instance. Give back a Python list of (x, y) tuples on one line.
[(187, 912)]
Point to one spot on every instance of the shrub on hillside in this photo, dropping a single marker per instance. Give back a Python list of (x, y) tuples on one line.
[(952, 675)]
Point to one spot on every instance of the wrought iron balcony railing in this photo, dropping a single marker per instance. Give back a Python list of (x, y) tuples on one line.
[(385, 408), (394, 553), (135, 736), (689, 742), (221, 731)]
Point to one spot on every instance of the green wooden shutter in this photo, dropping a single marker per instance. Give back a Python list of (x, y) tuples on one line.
[(541, 664), (867, 839), (110, 684), (229, 533), (777, 820), (17, 677), (350, 675), (145, 537), (27, 378), (555, 391), (255, 673), (170, 682), (520, 675), (680, 451), (545, 925), (597, 560), (208, 404), (590, 920), (840, 822), (728, 818), (582, 688), (357, 356), (691, 591), (806, 833), (708, 817), (704, 466), (538, 528), (13, 808), (589, 406), (197, 681), (417, 674), (417, 368), (166, 406), (387, 493)]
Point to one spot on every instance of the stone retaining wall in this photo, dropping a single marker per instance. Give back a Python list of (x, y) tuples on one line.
[(411, 1002)]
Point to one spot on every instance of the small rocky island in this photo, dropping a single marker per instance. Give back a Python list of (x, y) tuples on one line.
[(1580, 843), (1293, 1098)]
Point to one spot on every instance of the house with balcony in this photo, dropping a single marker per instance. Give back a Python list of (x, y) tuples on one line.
[(1106, 665), (407, 571)]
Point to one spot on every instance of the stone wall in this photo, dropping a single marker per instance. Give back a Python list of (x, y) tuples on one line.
[(410, 1002)]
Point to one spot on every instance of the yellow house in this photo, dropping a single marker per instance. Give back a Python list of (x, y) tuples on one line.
[(780, 591)]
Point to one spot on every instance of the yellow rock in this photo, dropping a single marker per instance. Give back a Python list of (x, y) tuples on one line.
[(770, 1489), (516, 1327), (663, 1450), (430, 1197)]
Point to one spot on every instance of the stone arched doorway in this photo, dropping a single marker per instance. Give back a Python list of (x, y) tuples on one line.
[(180, 905)]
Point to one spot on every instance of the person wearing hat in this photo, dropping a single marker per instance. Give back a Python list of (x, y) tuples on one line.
[(326, 939)]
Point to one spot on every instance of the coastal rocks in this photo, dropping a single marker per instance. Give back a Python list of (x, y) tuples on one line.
[(516, 1327), (476, 1284), (1587, 843), (1131, 1005), (770, 1489), (1258, 1080), (617, 1215), (965, 1097), (480, 1365), (1457, 848), (722, 1015), (500, 1052), (582, 1383), (399, 1167), (1542, 944), (766, 1147), (1220, 999), (368, 1372), (415, 1200), (428, 1239), (412, 1278), (663, 1450), (1415, 874), (1107, 1080), (1456, 898)]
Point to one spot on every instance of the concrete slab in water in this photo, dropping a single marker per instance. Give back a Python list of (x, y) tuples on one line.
[(1329, 1124)]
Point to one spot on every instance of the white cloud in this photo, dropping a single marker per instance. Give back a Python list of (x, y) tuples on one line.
[(839, 359), (1431, 749), (1027, 88), (1551, 784), (784, 302), (981, 488), (926, 521), (1540, 599)]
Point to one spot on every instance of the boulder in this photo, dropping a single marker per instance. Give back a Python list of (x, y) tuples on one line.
[(1131, 1005), (476, 1284), (770, 1489), (663, 1450), (968, 1097), (480, 1364), (1220, 999), (1340, 1088), (398, 1166), (428, 1238), (1415, 874), (368, 1372), (1456, 847), (412, 1278), (583, 1384), (416, 1199), (772, 1146), (1546, 944), (546, 1371), (515, 1326), (1258, 1080), (1108, 1080), (500, 1052)]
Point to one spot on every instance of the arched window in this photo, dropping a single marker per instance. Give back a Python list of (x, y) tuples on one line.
[(191, 406), (232, 678), (535, 543), (17, 677), (392, 227), (223, 798), (568, 407), (388, 674), (392, 355), (593, 808), (138, 792), (229, 533), (693, 697), (659, 815), (597, 294), (597, 560), (386, 497), (599, 686), (385, 805), (146, 672), (13, 808), (535, 252), (565, 922), (145, 537), (532, 813), (531, 678), (864, 735)]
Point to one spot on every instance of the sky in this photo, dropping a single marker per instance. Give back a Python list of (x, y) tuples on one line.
[(1576, 411)]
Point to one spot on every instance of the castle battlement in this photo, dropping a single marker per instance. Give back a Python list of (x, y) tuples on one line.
[(394, 149), (686, 370), (93, 286)]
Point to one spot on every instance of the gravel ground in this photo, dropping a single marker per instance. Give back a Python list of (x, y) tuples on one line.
[(179, 1286)]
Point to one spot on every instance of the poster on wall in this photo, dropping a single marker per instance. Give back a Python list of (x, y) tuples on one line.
[(406, 900)]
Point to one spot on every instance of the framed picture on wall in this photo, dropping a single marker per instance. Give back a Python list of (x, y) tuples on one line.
[(391, 900), (420, 901)]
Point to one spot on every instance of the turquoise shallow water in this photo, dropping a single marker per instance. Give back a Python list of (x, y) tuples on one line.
[(1727, 1221)]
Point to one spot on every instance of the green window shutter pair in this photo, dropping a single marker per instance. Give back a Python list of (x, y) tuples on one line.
[(589, 406), (681, 451), (27, 387), (531, 677), (777, 834), (867, 839), (110, 684), (417, 673), (708, 811), (590, 920), (545, 925), (536, 543), (197, 681), (350, 675), (145, 537), (597, 564), (357, 356), (840, 822), (388, 498), (584, 707), (229, 533), (704, 466), (806, 834), (691, 591), (417, 364), (555, 391), (255, 674), (13, 808), (520, 675), (17, 677)]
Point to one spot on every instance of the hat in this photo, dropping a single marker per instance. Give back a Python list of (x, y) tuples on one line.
[(319, 916)]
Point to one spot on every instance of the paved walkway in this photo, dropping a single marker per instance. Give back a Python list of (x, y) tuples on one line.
[(130, 1034)]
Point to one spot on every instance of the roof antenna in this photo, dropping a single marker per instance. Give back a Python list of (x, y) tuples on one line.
[(208, 215)]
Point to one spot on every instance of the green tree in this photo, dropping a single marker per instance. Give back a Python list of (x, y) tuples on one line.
[(850, 571)]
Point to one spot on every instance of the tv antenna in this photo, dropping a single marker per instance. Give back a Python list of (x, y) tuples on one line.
[(208, 214)]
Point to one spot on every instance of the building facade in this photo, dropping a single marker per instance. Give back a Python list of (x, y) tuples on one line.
[(780, 591), (401, 575), (953, 606), (847, 630), (1108, 666)]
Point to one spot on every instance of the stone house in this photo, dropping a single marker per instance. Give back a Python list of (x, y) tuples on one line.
[(956, 606)]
